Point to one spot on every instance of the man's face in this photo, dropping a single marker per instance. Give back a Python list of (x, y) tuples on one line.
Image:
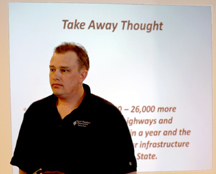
[(65, 77)]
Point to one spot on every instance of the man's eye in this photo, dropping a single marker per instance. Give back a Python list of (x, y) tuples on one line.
[(64, 70), (52, 70)]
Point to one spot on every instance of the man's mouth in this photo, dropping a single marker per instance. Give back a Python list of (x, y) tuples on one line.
[(56, 85)]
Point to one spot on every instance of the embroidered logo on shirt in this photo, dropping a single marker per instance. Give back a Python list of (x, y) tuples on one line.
[(81, 123)]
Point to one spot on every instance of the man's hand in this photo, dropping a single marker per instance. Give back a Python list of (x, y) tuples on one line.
[(46, 172)]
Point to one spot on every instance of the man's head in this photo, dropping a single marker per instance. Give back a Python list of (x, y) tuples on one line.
[(80, 51), (68, 69)]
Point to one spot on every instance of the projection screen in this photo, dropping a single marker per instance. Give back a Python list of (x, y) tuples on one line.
[(154, 62)]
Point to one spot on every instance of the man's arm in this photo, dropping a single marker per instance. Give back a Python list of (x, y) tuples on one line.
[(22, 172)]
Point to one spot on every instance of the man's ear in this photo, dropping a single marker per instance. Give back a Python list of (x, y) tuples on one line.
[(83, 75)]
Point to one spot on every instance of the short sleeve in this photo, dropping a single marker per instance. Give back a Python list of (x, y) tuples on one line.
[(122, 144), (25, 154)]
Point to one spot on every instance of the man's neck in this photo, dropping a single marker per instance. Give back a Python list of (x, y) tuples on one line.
[(66, 105), (73, 99)]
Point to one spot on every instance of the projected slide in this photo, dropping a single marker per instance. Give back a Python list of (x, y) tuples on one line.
[(153, 62)]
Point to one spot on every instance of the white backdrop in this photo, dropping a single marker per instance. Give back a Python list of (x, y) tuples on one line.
[(169, 66)]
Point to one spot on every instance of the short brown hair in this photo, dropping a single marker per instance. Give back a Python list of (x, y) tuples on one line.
[(81, 52)]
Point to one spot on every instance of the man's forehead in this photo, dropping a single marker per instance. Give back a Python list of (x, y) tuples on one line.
[(64, 57), (61, 61), (67, 53)]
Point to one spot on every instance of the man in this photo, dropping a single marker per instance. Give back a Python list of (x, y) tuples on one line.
[(73, 131)]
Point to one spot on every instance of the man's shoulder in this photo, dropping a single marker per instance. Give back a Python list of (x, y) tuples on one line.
[(96, 99), (46, 99), (43, 103), (100, 100), (101, 105)]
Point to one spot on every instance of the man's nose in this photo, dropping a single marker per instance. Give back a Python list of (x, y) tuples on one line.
[(56, 75)]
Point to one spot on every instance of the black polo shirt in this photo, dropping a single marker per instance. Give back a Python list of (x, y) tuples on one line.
[(94, 138)]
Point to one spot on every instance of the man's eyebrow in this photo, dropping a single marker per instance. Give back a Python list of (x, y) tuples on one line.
[(66, 67), (51, 66)]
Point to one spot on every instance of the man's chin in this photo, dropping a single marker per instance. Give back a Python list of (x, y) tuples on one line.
[(57, 93)]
